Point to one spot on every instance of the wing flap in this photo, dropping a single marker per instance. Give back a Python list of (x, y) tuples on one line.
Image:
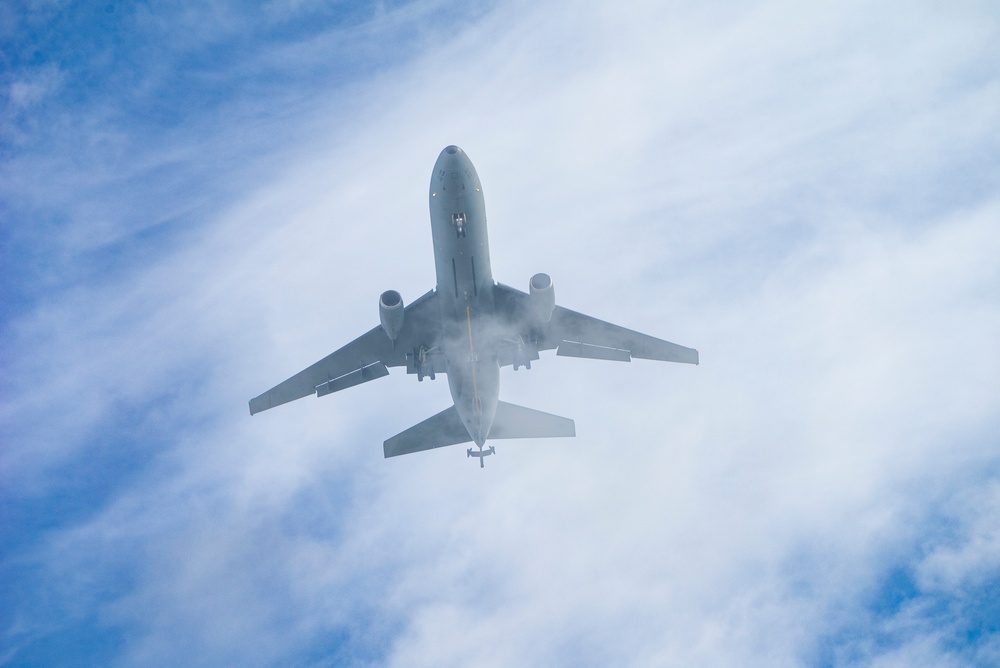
[(573, 349), (362, 375)]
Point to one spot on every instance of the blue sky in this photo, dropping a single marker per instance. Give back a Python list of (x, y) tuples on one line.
[(197, 202)]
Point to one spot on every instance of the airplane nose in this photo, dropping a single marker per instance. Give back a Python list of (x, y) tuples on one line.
[(452, 150)]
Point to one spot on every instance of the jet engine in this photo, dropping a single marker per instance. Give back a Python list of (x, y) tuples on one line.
[(390, 313), (543, 296)]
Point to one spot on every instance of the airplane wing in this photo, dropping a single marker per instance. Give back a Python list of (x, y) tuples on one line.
[(574, 334), (363, 359)]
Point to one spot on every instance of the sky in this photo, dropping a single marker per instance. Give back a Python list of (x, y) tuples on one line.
[(199, 200)]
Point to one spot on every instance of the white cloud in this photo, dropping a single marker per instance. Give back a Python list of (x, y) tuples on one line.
[(768, 185)]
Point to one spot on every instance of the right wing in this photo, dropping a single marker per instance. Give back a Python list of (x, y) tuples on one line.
[(577, 335), (363, 359)]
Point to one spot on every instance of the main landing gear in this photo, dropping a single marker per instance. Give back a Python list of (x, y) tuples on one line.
[(425, 366)]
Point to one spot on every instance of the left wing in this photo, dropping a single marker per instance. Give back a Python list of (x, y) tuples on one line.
[(577, 335), (363, 359)]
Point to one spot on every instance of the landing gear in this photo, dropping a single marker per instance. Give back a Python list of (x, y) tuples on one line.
[(424, 366), (523, 354), (481, 454)]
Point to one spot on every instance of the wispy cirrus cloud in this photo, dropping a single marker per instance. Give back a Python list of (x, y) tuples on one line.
[(805, 194)]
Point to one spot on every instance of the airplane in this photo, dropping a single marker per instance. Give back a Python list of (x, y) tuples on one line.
[(468, 327)]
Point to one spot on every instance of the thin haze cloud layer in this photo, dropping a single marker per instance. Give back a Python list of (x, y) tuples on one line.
[(200, 202)]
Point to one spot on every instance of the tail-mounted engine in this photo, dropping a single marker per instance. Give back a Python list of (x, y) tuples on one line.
[(543, 297), (390, 313)]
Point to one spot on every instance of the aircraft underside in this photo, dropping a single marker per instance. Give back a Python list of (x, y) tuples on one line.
[(469, 327)]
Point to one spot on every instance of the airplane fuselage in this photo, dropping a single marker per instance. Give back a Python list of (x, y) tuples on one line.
[(464, 288)]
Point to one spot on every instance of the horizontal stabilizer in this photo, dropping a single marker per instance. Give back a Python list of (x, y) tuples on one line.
[(519, 422), (443, 429)]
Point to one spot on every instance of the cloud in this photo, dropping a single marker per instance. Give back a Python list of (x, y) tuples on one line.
[(804, 194)]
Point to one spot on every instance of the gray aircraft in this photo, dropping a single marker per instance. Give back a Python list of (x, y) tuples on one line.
[(468, 327)]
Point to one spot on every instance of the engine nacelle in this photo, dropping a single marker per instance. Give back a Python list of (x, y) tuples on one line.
[(543, 296), (390, 313)]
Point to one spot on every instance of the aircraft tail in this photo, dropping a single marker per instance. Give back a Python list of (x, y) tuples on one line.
[(446, 428), (437, 431), (519, 422)]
